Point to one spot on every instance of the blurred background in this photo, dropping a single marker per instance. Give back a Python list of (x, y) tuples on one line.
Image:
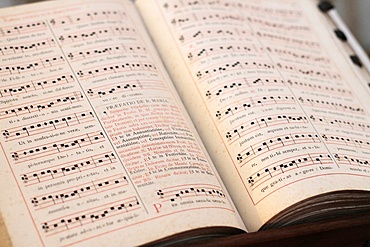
[(355, 13)]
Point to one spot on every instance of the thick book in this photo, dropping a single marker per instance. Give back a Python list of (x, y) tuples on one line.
[(164, 122)]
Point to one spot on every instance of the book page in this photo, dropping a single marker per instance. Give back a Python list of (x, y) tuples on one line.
[(274, 98), (96, 147)]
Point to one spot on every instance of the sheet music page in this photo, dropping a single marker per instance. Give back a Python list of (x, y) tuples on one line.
[(282, 114), (96, 147)]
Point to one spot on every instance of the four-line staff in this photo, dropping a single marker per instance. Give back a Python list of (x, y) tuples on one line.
[(83, 190), (289, 40), (217, 50), (40, 84), (94, 33), (306, 70), (209, 32), (47, 125), (352, 160), (69, 168), (178, 22), (263, 122), (232, 66), (62, 146), (346, 141), (309, 160), (186, 191), (332, 105), (91, 215), (341, 123), (115, 68), (104, 50), (318, 87), (292, 163), (180, 4), (23, 29), (31, 66), (269, 144), (128, 86), (287, 53), (28, 47), (87, 17), (296, 28), (255, 102), (22, 109), (246, 83)]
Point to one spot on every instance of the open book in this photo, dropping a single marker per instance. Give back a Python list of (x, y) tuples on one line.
[(127, 123)]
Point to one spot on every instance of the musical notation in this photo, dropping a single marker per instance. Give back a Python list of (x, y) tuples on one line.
[(116, 49), (235, 65), (110, 89), (346, 141), (83, 190), (306, 70), (62, 146), (293, 163), (317, 87), (91, 215), (41, 64), (289, 40), (95, 72), (263, 122), (284, 52), (245, 83), (25, 87), (22, 29), (47, 125), (173, 5), (35, 45), (28, 108), (211, 33), (207, 17), (185, 191), (331, 105), (274, 11), (104, 90), (282, 26), (194, 56), (69, 168), (270, 144), (353, 160), (255, 102), (340, 123), (86, 17), (93, 34)]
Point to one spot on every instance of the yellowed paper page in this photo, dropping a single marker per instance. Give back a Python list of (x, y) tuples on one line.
[(96, 147), (278, 106)]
